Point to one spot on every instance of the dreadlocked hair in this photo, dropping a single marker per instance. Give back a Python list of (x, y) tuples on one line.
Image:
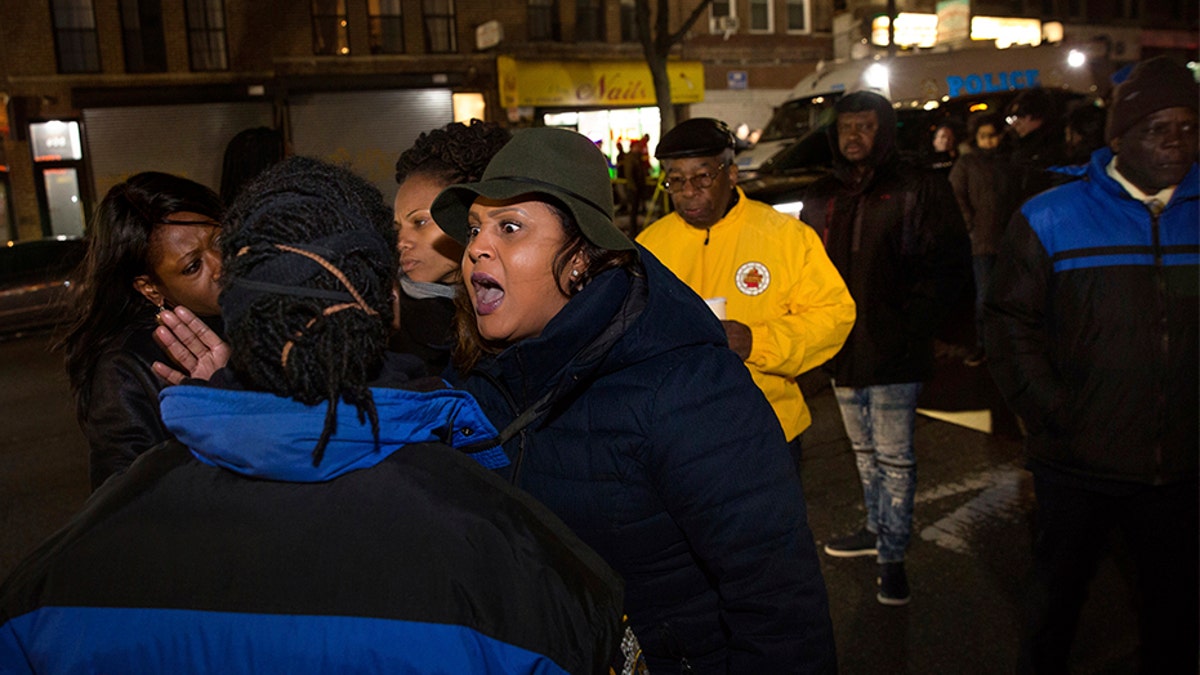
[(455, 153), (312, 349)]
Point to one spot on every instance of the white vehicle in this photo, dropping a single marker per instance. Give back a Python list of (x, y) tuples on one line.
[(964, 80)]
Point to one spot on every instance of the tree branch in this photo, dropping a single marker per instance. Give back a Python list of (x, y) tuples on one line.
[(687, 25)]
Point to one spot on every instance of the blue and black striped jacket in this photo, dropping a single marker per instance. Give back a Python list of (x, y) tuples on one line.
[(1091, 329), (229, 551)]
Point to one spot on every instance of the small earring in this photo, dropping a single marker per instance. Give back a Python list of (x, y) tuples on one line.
[(574, 273)]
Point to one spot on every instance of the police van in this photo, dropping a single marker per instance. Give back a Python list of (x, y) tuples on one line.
[(924, 88)]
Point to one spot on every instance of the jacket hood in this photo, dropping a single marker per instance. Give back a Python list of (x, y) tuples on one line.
[(262, 435), (632, 318), (883, 151)]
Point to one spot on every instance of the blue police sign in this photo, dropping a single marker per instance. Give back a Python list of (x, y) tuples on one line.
[(980, 83)]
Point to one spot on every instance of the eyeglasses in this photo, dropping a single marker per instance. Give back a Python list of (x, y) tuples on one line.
[(700, 181)]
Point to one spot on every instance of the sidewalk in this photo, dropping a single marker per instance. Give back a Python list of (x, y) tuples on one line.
[(969, 554)]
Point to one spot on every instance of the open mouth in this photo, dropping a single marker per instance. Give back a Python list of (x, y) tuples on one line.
[(488, 293)]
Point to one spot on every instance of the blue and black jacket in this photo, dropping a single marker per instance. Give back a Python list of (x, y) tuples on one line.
[(1091, 326), (229, 551)]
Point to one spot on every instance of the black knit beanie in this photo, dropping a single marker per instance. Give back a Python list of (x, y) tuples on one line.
[(1156, 84)]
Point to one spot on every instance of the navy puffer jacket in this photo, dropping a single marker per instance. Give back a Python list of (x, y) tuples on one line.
[(661, 454)]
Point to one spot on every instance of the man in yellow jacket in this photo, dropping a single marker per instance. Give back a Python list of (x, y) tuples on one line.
[(787, 309)]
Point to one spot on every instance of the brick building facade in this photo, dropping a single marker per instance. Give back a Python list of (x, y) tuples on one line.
[(164, 84)]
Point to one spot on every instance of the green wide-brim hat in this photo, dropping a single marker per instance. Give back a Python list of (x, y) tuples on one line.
[(546, 161)]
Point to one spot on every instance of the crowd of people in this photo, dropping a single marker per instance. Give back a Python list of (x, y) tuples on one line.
[(486, 431)]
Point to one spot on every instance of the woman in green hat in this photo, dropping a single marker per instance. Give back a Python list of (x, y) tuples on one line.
[(625, 412)]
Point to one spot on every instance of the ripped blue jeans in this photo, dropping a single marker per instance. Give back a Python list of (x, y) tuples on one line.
[(879, 422)]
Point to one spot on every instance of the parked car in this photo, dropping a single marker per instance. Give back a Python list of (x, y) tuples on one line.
[(34, 280)]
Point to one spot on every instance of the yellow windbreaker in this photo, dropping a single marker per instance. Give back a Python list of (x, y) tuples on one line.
[(776, 278)]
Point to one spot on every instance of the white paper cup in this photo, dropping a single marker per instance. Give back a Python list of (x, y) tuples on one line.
[(717, 305)]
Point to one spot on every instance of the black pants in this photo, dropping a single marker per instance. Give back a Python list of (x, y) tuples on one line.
[(1161, 527)]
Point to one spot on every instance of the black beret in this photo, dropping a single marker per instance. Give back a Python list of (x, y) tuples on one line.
[(698, 137)]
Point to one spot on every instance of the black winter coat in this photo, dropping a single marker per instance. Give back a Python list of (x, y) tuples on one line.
[(236, 554), (898, 239), (977, 179), (119, 412), (426, 331), (1092, 327), (661, 454)]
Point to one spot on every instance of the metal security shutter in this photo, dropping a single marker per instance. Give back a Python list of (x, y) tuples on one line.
[(186, 140), (366, 130)]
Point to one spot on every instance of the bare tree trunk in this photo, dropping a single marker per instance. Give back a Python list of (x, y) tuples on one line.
[(656, 46)]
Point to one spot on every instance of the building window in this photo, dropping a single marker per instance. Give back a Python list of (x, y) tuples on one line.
[(206, 35), (722, 17), (1129, 9), (589, 21), (762, 16), (629, 32), (797, 16), (543, 20), (75, 36), (439, 27), (142, 33), (331, 31), (385, 26)]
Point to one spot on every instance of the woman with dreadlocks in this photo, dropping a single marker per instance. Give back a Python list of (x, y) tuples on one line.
[(430, 260), (313, 515), (152, 245)]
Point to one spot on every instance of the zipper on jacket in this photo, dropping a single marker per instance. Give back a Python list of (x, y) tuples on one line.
[(516, 477), (1160, 278)]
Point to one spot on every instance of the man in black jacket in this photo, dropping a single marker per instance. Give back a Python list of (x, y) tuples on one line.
[(1091, 326), (895, 234)]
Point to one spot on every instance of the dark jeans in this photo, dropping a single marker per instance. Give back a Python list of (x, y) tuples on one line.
[(1161, 526), (982, 266)]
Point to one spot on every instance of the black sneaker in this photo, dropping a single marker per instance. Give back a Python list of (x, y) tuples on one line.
[(893, 585), (861, 543)]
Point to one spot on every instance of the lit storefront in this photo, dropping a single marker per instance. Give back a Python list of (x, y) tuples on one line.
[(608, 101)]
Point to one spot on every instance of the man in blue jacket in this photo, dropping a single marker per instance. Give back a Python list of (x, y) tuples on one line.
[(1091, 326), (315, 514)]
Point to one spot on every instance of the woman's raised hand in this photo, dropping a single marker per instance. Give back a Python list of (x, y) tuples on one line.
[(194, 347)]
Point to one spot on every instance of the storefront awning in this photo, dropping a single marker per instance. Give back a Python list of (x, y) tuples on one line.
[(604, 84)]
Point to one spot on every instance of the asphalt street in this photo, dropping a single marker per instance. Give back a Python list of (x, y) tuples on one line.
[(966, 564)]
